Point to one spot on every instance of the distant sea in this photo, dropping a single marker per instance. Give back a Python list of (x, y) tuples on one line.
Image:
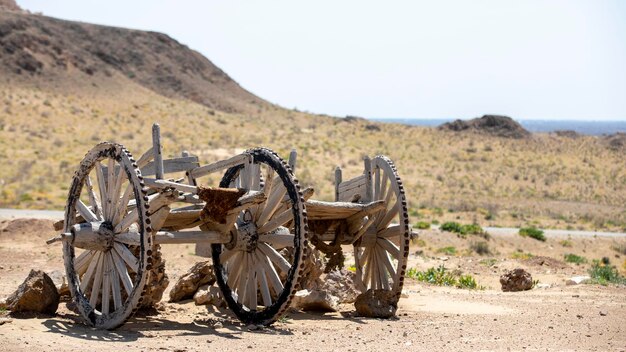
[(583, 127)]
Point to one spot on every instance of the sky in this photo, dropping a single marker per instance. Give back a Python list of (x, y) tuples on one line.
[(532, 59)]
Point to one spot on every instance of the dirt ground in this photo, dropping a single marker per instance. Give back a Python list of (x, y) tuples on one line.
[(553, 317)]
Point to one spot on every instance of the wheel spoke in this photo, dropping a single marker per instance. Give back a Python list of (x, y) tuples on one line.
[(389, 247), (278, 240), (84, 282), (388, 262), (85, 212), (260, 275), (252, 284), (106, 285), (267, 189), (128, 220), (122, 271), (93, 200), (271, 273), (391, 231), (383, 182), (97, 282), (102, 188), (115, 194), (233, 275), (122, 205), (392, 213), (275, 257), (358, 262), (225, 256), (242, 284), (273, 201), (382, 273), (115, 282), (128, 257), (110, 185), (82, 261)]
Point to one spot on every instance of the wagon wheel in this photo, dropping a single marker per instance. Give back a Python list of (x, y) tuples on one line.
[(381, 253), (259, 274), (107, 280)]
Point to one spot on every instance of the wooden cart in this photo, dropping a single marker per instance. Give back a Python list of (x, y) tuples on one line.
[(259, 222)]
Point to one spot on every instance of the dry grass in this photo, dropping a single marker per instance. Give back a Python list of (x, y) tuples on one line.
[(546, 181)]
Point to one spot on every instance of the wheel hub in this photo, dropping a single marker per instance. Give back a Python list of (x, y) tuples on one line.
[(247, 235)]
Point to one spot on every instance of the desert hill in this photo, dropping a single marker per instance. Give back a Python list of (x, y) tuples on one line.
[(69, 55), (496, 125), (65, 86)]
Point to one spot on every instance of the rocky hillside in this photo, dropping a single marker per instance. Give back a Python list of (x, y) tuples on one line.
[(35, 48), (495, 125)]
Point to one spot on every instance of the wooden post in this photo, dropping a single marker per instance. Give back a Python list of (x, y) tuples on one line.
[(190, 179), (156, 146), (292, 160), (337, 182), (367, 163)]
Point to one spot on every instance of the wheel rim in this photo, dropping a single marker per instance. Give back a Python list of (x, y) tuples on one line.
[(107, 283), (258, 276), (381, 254)]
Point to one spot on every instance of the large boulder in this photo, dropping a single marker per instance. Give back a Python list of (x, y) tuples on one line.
[(36, 294), (376, 304), (200, 274), (516, 280), (340, 283)]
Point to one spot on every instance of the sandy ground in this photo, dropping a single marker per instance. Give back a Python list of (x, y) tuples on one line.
[(556, 317)]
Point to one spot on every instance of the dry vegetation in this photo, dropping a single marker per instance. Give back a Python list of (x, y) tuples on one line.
[(546, 180)]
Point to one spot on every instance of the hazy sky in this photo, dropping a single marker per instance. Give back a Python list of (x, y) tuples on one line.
[(410, 59)]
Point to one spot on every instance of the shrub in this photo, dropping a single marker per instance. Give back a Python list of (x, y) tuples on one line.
[(576, 259), (441, 277), (620, 248), (482, 248), (451, 226), (565, 243), (521, 255), (532, 232), (605, 274), (422, 225), (447, 250), (489, 262)]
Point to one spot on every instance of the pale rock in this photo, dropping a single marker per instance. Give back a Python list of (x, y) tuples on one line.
[(577, 280), (315, 300)]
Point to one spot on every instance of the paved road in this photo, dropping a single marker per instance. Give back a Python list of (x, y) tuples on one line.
[(496, 231)]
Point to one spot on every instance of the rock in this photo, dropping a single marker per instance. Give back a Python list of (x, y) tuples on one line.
[(315, 300), (36, 294), (158, 281), (544, 286), (340, 283), (5, 321), (209, 295), (516, 280), (376, 304), (577, 280), (200, 274), (60, 281)]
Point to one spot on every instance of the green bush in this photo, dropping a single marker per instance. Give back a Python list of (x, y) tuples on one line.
[(532, 232), (605, 274), (576, 259), (422, 225), (451, 226), (447, 250), (441, 277), (482, 248)]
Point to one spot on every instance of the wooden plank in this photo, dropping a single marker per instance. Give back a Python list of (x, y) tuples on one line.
[(348, 195), (181, 164), (220, 165), (176, 237), (162, 184), (352, 183), (145, 158), (320, 210), (337, 182), (157, 150), (367, 173), (292, 160)]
